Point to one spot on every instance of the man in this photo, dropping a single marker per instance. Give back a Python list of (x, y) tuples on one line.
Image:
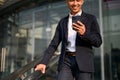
[(76, 58)]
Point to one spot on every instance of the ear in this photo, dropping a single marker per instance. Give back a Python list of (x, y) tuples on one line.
[(82, 2)]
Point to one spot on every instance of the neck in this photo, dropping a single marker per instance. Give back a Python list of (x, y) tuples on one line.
[(74, 13)]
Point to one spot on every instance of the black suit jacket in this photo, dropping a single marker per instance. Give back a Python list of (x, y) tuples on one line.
[(84, 44)]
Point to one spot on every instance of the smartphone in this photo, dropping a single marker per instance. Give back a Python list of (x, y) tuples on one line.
[(75, 19)]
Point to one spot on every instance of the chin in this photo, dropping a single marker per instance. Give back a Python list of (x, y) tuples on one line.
[(75, 12)]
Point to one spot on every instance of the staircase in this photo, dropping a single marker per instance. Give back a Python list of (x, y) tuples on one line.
[(20, 74)]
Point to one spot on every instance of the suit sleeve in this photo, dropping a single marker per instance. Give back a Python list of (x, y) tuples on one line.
[(92, 34), (52, 46)]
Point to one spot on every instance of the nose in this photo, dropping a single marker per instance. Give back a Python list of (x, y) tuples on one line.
[(75, 2)]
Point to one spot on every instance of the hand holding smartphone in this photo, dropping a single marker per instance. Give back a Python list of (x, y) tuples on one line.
[(75, 19), (78, 25)]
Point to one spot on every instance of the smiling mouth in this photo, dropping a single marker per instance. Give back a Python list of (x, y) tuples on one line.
[(75, 7)]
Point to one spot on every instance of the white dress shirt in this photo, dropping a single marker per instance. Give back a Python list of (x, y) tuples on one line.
[(71, 34)]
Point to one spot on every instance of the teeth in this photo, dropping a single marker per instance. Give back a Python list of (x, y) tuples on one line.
[(74, 7)]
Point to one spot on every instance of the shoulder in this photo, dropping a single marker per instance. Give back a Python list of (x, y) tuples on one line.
[(62, 22), (89, 15), (64, 19)]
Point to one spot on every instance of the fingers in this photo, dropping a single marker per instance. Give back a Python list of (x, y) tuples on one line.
[(43, 70), (41, 67), (79, 27), (80, 23)]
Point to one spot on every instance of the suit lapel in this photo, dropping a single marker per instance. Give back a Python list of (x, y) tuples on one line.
[(66, 27), (83, 17)]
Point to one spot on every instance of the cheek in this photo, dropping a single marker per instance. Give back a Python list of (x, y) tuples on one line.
[(70, 5)]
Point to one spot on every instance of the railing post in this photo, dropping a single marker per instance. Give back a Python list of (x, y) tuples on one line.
[(102, 46), (3, 59)]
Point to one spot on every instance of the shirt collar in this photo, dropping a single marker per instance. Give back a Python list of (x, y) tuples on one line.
[(78, 14)]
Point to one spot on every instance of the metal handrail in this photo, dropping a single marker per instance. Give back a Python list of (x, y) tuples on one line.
[(34, 76), (37, 74)]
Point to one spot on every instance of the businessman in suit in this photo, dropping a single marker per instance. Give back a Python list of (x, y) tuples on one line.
[(77, 39)]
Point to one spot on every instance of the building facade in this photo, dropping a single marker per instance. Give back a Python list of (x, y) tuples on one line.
[(26, 33)]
